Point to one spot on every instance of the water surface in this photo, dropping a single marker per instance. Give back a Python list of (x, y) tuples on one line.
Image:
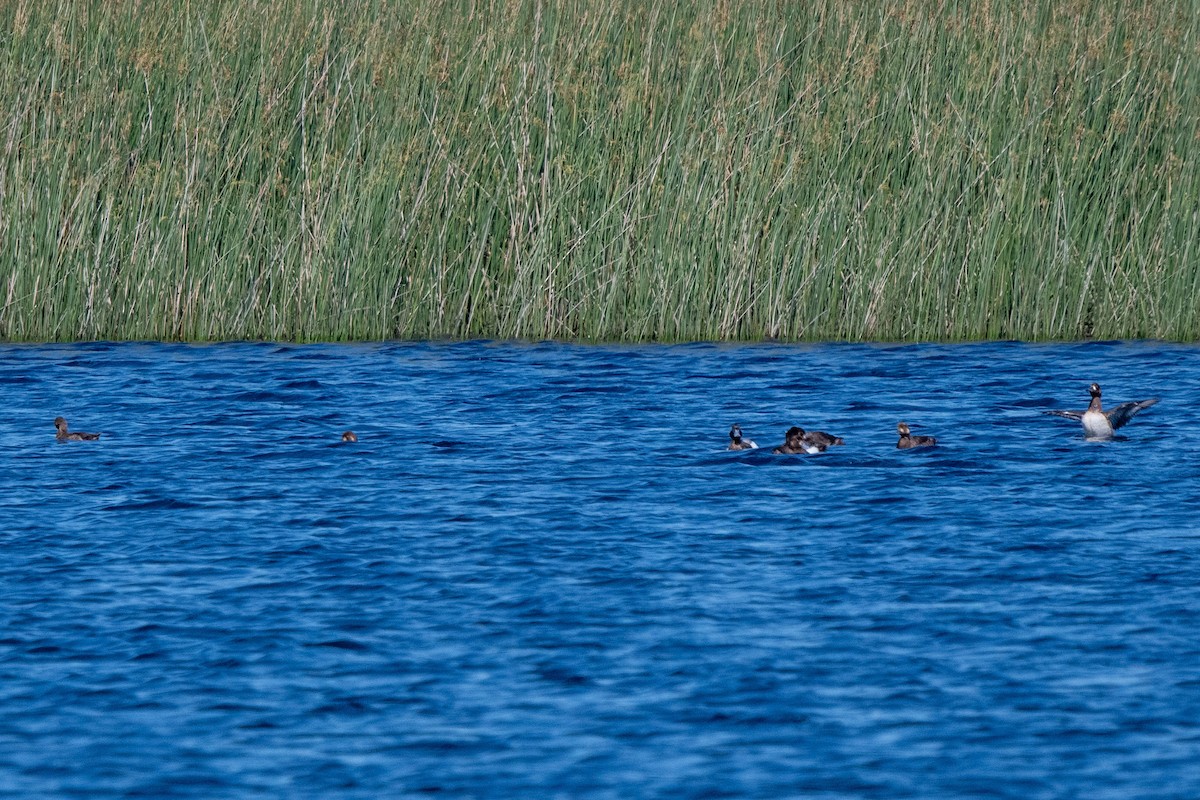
[(538, 573)]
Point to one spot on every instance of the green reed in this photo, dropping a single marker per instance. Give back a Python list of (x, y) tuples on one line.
[(617, 170)]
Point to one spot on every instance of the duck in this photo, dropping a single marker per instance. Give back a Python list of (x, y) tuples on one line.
[(1100, 424), (63, 435), (349, 436), (907, 440), (736, 442), (822, 439), (796, 440)]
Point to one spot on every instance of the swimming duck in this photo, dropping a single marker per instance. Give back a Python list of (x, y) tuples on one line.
[(797, 441), (349, 436), (1100, 424), (736, 442), (907, 440), (822, 439), (64, 435)]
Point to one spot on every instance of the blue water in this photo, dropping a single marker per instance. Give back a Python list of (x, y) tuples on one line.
[(539, 574)]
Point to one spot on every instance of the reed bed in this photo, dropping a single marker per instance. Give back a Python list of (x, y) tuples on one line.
[(625, 170)]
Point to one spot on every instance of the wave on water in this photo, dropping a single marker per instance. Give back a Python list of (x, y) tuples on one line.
[(539, 573)]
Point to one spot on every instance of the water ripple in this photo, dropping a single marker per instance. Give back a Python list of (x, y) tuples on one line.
[(539, 573)]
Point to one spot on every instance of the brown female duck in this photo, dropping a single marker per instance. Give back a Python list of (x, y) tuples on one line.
[(797, 440), (907, 440), (63, 435)]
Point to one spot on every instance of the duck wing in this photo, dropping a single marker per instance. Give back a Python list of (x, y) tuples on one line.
[(1119, 415), (1075, 415)]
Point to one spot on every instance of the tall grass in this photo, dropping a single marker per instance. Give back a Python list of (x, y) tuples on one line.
[(599, 169)]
